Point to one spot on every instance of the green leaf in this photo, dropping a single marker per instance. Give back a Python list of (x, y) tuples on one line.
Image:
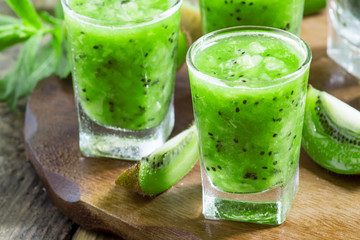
[(57, 39), (36, 60), (59, 44), (58, 11), (63, 68), (25, 10), (6, 20), (12, 32), (10, 86), (34, 63), (8, 39), (43, 66), (50, 19)]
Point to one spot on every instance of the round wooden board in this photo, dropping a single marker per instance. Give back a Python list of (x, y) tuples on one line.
[(327, 205)]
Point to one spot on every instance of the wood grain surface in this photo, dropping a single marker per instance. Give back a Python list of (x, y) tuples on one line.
[(326, 207), (26, 212)]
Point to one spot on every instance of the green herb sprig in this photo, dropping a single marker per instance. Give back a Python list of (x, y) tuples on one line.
[(40, 56)]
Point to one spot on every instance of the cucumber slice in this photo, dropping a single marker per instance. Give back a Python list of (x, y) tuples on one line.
[(164, 167), (331, 133)]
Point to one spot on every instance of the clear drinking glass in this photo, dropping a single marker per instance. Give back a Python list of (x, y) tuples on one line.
[(248, 86), (343, 45), (123, 56), (283, 14)]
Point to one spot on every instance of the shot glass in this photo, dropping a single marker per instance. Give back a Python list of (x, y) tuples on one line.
[(123, 55), (343, 45), (283, 14), (248, 87)]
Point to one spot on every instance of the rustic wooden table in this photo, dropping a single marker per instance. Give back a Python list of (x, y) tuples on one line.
[(25, 210)]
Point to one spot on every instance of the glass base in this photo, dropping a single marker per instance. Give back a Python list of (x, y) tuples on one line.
[(343, 52), (99, 141), (267, 207)]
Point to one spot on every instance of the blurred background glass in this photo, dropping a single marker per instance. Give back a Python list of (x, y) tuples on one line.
[(343, 44)]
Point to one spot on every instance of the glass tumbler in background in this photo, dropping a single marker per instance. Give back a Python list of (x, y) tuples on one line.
[(283, 14), (123, 56), (248, 86), (343, 45)]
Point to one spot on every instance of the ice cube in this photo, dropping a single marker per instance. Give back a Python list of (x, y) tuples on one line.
[(257, 59), (246, 61), (228, 64), (273, 64), (256, 48)]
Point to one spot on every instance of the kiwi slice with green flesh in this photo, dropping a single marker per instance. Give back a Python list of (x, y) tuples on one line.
[(164, 167), (183, 44), (331, 133), (313, 6), (190, 21)]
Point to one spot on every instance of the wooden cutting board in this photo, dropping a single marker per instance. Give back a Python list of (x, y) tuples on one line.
[(327, 205)]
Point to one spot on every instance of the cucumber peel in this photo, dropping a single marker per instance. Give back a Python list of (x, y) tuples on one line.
[(331, 133), (164, 167)]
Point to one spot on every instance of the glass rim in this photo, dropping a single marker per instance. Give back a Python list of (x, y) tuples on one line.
[(252, 29), (114, 24)]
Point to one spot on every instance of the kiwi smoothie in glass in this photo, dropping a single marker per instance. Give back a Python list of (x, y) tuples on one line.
[(123, 56), (248, 87), (283, 14)]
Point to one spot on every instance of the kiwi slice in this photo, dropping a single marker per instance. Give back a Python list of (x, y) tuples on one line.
[(184, 41), (331, 133), (313, 6), (190, 21), (164, 167)]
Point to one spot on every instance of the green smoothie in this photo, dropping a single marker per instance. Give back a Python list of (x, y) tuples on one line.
[(123, 59), (249, 109), (283, 14)]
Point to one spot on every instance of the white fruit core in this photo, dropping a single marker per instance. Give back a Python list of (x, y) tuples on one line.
[(175, 141), (343, 114)]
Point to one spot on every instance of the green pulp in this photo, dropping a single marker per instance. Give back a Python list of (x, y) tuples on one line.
[(330, 143), (249, 128), (169, 163), (124, 66), (283, 14)]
